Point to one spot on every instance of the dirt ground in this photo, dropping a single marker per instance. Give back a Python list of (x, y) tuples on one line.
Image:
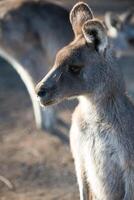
[(38, 164)]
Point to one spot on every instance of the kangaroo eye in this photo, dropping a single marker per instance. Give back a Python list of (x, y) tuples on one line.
[(74, 69)]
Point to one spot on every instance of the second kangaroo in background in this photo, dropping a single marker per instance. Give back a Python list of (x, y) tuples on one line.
[(121, 31), (102, 132)]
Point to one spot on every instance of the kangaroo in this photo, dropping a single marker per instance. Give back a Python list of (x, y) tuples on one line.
[(31, 32), (102, 130), (121, 29)]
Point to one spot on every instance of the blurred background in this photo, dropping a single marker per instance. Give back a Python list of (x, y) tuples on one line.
[(36, 164)]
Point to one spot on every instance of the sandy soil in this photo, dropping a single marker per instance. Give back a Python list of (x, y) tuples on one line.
[(38, 164)]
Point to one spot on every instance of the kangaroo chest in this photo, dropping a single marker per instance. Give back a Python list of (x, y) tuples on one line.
[(95, 148)]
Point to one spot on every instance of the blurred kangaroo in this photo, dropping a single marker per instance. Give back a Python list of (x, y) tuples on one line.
[(31, 32), (121, 29), (28, 32), (102, 131)]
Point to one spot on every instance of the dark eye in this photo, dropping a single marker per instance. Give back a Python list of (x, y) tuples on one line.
[(75, 69)]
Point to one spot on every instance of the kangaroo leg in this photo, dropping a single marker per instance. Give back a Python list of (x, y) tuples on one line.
[(82, 182)]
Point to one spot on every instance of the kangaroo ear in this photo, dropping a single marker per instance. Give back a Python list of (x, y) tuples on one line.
[(112, 20), (79, 14), (126, 17), (94, 31)]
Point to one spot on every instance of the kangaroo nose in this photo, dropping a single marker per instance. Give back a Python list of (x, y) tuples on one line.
[(47, 85), (43, 89), (40, 91)]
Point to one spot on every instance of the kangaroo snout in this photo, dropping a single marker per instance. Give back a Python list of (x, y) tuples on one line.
[(46, 88), (44, 93)]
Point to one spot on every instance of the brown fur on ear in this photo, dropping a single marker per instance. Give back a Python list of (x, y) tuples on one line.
[(79, 14), (94, 31)]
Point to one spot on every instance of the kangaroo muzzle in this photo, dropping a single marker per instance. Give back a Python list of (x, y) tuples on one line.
[(46, 89)]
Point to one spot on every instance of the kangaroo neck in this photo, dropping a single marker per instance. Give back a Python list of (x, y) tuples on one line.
[(101, 109)]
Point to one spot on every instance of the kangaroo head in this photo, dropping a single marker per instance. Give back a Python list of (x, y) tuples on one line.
[(79, 66)]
